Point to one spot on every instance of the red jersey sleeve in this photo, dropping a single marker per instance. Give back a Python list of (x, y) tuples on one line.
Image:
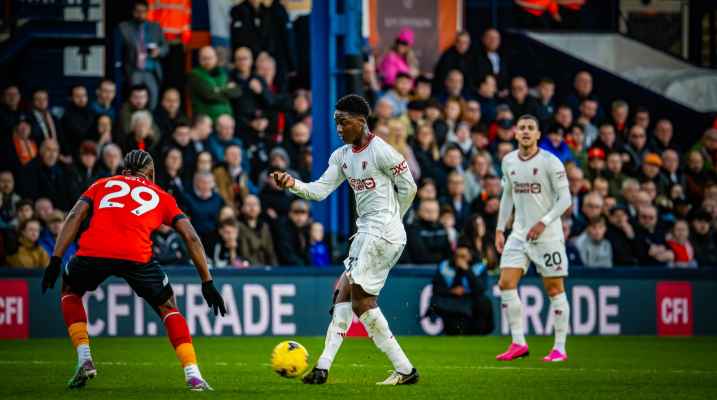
[(172, 213)]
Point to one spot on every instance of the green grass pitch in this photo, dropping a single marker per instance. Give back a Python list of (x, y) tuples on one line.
[(451, 368)]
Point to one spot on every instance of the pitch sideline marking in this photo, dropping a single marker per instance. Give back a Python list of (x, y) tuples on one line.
[(477, 367)]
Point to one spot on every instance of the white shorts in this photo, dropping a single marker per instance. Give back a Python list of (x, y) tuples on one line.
[(549, 257), (370, 260)]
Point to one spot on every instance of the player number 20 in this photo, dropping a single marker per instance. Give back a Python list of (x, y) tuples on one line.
[(145, 205), (552, 259)]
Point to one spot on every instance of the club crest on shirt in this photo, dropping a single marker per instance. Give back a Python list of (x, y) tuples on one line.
[(535, 171), (363, 165), (344, 166), (512, 173)]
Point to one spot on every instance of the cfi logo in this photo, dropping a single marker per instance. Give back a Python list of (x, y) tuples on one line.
[(535, 171)]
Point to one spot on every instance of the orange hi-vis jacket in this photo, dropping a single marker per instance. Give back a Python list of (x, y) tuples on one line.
[(538, 7), (574, 5), (174, 16)]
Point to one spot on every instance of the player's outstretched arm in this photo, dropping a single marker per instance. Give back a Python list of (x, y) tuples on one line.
[(196, 252), (67, 235), (316, 190)]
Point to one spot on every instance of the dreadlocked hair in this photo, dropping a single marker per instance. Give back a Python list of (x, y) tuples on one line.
[(136, 161)]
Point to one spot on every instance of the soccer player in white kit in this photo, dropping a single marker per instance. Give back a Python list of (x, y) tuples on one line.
[(534, 181), (384, 190)]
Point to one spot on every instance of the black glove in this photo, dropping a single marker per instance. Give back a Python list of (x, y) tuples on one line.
[(51, 273), (213, 298)]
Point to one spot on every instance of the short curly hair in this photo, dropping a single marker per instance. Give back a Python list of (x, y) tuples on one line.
[(355, 104), (137, 161)]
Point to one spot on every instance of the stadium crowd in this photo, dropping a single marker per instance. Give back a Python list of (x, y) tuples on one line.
[(640, 196)]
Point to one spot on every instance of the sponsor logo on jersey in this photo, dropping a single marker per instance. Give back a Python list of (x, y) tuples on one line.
[(359, 185), (399, 168), (527, 187)]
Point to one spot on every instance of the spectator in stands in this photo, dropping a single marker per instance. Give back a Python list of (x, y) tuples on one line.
[(487, 97), (621, 234), (181, 139), (459, 57), (452, 161), (202, 203), (650, 245), (426, 151), (491, 189), (479, 168), (168, 248), (111, 160), (48, 236), (594, 249), (9, 109), (545, 101), (452, 115), (101, 131), (697, 176), (448, 220), (588, 118), (292, 243), (399, 60), (642, 118), (24, 211), (256, 244), (200, 130), (233, 183), (399, 94), (554, 142), (681, 246), (43, 209), (138, 101), (583, 89), (318, 250), (222, 137), (427, 239), (45, 176), (650, 171), (397, 138), (266, 70), (619, 113), (707, 147), (77, 120), (671, 168), (490, 61), (300, 108), (519, 101), (661, 140), (578, 188), (564, 117), (225, 252), (503, 128), (455, 198), (29, 254), (458, 295), (596, 164), (471, 115), (454, 88), (44, 124), (602, 187), (139, 44), (614, 173), (371, 84), (104, 103), (24, 147), (141, 135), (169, 114), (591, 209), (298, 140), (608, 140), (170, 176), (636, 149), (209, 86), (258, 142), (9, 199), (479, 241), (250, 22), (87, 169), (703, 239), (255, 94), (575, 139)]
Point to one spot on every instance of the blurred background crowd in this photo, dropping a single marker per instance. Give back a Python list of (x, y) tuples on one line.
[(642, 196)]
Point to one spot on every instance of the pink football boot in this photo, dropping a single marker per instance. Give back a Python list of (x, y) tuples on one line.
[(514, 351), (555, 356)]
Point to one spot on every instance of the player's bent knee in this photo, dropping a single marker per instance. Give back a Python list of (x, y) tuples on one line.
[(554, 290)]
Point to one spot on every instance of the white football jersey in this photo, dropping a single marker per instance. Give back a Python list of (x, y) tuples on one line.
[(534, 184), (371, 171)]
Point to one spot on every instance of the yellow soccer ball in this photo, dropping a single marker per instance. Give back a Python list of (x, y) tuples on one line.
[(289, 359)]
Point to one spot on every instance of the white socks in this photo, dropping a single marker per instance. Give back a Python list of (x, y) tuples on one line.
[(83, 353), (192, 371), (561, 308), (514, 312), (377, 328), (340, 322)]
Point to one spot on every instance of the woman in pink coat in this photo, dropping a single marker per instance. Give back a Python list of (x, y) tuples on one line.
[(399, 59)]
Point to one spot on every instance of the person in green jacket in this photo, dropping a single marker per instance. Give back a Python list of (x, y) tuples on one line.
[(209, 86)]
